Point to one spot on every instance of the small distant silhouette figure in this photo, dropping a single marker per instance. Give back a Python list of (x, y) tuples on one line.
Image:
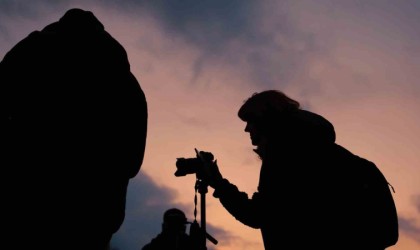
[(173, 235), (74, 134), (312, 192)]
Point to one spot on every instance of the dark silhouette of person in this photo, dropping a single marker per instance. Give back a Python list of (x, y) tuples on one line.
[(305, 197), (74, 134), (173, 235)]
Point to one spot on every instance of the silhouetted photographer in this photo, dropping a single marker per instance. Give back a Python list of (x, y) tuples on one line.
[(173, 235), (312, 192)]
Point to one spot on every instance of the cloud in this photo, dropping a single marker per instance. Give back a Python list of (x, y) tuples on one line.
[(204, 23), (409, 226), (32, 9), (416, 200), (260, 40), (273, 43), (146, 203), (257, 39)]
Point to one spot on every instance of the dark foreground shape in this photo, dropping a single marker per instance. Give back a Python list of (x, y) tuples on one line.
[(75, 125)]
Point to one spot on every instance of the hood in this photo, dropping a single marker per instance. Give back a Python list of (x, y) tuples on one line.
[(308, 127), (312, 127), (76, 21)]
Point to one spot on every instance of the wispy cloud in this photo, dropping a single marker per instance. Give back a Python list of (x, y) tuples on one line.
[(409, 227)]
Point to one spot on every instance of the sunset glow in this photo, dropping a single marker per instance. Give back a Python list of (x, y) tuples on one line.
[(356, 63)]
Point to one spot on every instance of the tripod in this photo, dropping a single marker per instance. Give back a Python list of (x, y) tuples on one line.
[(199, 231)]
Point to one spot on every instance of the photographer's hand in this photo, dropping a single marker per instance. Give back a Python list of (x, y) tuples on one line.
[(215, 174), (211, 173)]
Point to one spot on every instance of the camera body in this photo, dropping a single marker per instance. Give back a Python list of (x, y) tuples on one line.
[(187, 166)]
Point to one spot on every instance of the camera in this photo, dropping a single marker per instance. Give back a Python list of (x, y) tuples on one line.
[(197, 165), (187, 166)]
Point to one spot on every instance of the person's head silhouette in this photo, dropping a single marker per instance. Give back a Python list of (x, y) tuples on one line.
[(174, 220), (76, 128), (173, 235), (265, 113), (265, 104)]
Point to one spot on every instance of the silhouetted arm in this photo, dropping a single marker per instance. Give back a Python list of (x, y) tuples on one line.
[(238, 204)]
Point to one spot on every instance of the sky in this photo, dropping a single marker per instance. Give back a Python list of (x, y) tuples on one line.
[(357, 63)]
